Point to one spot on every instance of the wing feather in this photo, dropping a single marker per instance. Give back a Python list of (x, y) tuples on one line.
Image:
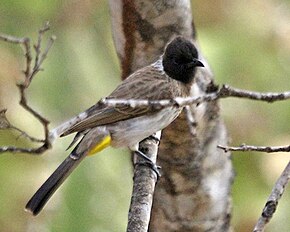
[(147, 83)]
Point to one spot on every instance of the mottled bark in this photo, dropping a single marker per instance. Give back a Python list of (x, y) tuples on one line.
[(194, 192), (143, 187)]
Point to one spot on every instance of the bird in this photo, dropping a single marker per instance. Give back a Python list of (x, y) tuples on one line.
[(171, 76)]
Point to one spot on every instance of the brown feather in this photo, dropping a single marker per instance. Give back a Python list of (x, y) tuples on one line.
[(147, 83)]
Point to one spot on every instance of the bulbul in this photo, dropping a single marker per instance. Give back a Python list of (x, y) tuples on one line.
[(169, 77)]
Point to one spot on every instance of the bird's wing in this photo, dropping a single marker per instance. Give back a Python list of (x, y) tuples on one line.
[(154, 86)]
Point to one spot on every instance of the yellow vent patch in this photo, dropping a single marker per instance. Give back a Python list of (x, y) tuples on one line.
[(101, 145)]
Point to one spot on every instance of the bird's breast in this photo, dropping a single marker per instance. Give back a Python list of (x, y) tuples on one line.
[(132, 131)]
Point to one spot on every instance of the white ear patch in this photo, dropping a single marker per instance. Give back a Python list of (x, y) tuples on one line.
[(158, 65)]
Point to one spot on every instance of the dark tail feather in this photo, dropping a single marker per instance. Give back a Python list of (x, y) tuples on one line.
[(43, 194)]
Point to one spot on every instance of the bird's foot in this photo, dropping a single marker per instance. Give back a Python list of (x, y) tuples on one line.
[(149, 163)]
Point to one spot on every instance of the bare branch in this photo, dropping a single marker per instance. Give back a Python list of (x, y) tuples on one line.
[(5, 124), (143, 188), (25, 42), (245, 147), (24, 134), (12, 39), (273, 199), (228, 91), (32, 151), (29, 73), (279, 187), (224, 92), (37, 47), (138, 211), (23, 103), (159, 104), (40, 57)]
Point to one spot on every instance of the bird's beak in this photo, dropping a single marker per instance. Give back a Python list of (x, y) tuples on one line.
[(198, 63), (195, 63)]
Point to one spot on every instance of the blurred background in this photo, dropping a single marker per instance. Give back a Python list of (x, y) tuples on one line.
[(247, 44)]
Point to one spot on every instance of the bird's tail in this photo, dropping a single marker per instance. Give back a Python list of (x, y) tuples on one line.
[(43, 194), (94, 141)]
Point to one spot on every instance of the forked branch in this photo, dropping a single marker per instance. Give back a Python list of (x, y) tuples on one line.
[(33, 66), (279, 187), (29, 74)]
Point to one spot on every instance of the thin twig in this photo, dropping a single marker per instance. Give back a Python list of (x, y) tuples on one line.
[(24, 134), (159, 104), (228, 91), (37, 47), (279, 187), (12, 39), (268, 149), (29, 73), (25, 42), (32, 151), (272, 202), (5, 124), (224, 92), (40, 57)]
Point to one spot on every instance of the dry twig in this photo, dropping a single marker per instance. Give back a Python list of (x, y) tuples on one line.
[(228, 91), (267, 149), (5, 124), (272, 202), (225, 91), (29, 74), (279, 187)]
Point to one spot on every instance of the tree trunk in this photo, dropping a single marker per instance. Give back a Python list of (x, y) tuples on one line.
[(194, 192)]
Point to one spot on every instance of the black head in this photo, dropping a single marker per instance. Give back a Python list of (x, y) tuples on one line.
[(180, 60)]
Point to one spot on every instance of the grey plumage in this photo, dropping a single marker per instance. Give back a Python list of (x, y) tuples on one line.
[(169, 77)]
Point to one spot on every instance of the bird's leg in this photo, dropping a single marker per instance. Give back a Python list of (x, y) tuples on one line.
[(153, 137), (150, 163)]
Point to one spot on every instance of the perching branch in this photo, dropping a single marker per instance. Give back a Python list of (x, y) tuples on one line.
[(143, 187), (225, 91), (159, 104), (29, 74), (141, 29)]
